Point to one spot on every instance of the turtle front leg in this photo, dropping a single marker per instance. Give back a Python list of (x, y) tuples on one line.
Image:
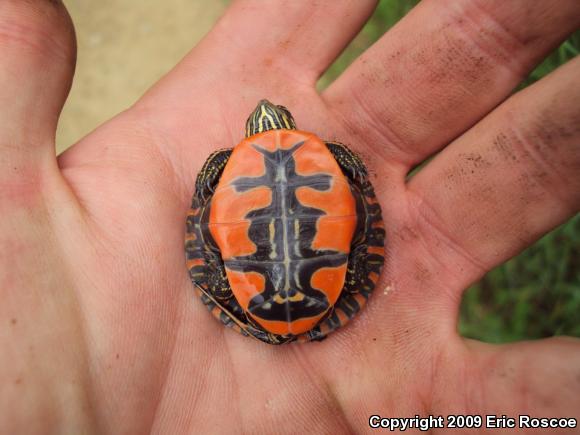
[(351, 164), (210, 173)]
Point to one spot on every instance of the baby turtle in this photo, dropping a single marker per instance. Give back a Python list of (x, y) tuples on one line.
[(285, 238)]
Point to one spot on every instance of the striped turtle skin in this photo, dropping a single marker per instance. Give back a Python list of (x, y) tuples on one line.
[(285, 238)]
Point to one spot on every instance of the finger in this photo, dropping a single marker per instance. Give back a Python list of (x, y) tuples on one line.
[(513, 378), (442, 68), (37, 53), (506, 182), (274, 46), (295, 39)]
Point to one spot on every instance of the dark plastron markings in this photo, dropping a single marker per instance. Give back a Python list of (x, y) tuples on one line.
[(268, 229), (283, 233)]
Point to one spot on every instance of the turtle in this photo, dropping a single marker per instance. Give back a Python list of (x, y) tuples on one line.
[(284, 238)]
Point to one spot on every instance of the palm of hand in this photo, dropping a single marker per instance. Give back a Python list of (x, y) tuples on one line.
[(139, 350)]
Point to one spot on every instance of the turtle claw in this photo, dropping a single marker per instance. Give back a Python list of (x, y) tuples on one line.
[(363, 177)]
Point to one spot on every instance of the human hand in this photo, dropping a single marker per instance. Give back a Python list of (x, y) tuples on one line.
[(101, 328)]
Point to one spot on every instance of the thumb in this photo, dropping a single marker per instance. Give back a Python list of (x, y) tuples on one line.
[(37, 57)]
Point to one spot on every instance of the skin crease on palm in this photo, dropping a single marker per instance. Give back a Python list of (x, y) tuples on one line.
[(101, 329)]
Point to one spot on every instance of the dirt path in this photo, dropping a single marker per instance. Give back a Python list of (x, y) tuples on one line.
[(124, 47)]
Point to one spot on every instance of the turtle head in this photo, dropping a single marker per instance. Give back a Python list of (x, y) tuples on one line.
[(267, 116)]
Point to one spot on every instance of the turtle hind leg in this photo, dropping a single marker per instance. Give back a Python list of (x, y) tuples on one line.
[(216, 294), (218, 297), (210, 173), (217, 310), (350, 163), (360, 280), (345, 309), (231, 315)]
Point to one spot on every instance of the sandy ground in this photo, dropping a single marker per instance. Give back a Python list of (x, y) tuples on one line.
[(124, 46)]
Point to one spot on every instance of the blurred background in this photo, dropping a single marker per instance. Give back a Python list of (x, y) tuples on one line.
[(126, 45)]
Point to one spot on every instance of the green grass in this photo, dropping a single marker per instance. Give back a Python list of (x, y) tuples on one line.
[(537, 293), (534, 295)]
